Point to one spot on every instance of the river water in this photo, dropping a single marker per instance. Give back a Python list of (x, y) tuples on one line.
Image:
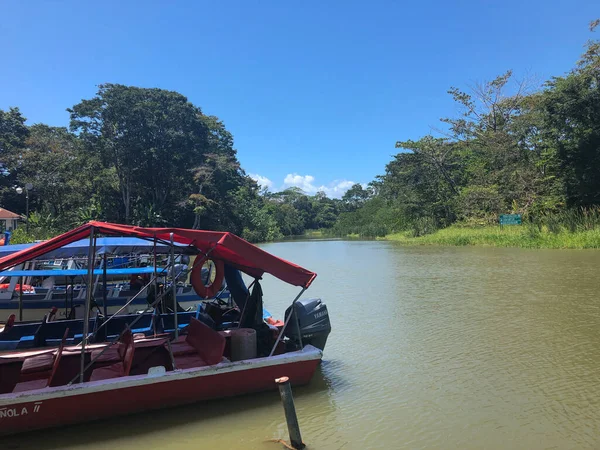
[(432, 348)]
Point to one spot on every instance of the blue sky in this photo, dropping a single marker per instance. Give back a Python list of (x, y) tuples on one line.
[(316, 93)]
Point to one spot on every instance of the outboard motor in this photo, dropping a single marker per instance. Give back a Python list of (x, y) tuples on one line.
[(313, 319)]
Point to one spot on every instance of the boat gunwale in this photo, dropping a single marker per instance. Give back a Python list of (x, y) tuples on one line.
[(308, 353)]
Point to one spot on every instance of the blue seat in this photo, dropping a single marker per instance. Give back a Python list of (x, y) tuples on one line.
[(51, 333), (115, 326), (167, 321), (19, 335)]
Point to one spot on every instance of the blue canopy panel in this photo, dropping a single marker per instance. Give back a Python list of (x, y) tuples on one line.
[(110, 245), (78, 272)]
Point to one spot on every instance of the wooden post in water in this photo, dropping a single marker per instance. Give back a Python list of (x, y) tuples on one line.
[(285, 390)]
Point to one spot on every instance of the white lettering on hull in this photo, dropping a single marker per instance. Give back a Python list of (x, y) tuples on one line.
[(9, 413)]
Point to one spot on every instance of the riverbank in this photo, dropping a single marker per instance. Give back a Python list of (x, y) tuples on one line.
[(509, 236)]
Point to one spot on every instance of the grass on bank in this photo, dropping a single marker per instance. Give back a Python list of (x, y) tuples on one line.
[(524, 236)]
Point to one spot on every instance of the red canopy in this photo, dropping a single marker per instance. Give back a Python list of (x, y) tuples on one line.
[(225, 246)]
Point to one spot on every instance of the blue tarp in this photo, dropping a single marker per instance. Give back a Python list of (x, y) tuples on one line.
[(111, 245), (77, 272)]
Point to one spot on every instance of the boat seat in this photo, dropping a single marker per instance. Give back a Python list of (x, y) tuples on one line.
[(31, 297), (185, 355), (182, 348), (115, 326), (18, 335), (29, 385), (38, 363), (109, 356), (10, 371), (51, 333), (150, 353), (126, 350), (128, 293), (69, 367), (8, 345), (23, 386), (167, 321), (202, 347), (209, 344), (58, 295)]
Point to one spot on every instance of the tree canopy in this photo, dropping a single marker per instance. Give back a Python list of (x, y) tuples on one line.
[(145, 157), (514, 148)]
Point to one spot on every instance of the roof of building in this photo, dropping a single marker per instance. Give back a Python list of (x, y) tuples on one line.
[(6, 214)]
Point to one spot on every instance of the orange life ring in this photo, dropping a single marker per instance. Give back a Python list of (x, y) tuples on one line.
[(198, 284)]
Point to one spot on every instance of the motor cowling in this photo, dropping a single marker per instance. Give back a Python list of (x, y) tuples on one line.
[(313, 321)]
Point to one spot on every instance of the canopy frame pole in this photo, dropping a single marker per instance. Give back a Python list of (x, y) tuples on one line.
[(154, 260), (174, 287), (127, 304), (72, 297), (287, 320), (88, 301), (67, 297), (21, 301), (104, 293)]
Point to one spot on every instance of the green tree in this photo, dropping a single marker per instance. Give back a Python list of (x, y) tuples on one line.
[(53, 163), (572, 126), (151, 138), (355, 197), (13, 133)]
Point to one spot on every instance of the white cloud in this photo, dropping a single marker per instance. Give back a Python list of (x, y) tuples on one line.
[(335, 189), (263, 182), (304, 182)]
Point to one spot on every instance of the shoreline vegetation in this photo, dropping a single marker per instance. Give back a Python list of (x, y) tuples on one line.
[(514, 147), (567, 229), (520, 236)]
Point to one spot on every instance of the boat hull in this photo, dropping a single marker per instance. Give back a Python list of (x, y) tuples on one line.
[(51, 407)]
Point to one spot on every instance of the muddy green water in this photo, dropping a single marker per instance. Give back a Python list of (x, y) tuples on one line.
[(432, 348)]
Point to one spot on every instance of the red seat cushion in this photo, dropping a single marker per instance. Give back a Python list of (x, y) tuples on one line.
[(126, 351), (38, 363), (31, 385), (182, 348), (108, 372), (147, 357), (68, 368), (111, 355), (209, 344)]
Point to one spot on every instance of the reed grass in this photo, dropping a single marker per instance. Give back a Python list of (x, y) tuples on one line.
[(524, 236)]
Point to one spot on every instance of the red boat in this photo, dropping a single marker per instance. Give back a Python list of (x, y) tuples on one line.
[(205, 360)]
